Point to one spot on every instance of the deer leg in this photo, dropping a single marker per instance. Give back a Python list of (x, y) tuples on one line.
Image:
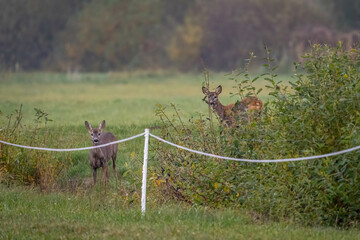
[(94, 175), (114, 166), (105, 175)]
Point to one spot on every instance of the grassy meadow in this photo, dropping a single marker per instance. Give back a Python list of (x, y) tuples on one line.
[(120, 98), (127, 101), (26, 214)]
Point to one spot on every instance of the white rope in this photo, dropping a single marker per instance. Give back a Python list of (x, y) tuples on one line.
[(73, 149), (258, 161), (188, 149)]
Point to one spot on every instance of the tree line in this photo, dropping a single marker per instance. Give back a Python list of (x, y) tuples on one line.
[(103, 35)]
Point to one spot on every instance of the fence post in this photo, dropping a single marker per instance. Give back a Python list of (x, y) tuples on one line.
[(143, 188)]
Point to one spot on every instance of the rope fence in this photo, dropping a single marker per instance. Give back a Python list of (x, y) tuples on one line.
[(257, 161), (73, 149), (147, 134)]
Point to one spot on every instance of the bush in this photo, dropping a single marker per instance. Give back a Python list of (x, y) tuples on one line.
[(25, 166), (315, 114)]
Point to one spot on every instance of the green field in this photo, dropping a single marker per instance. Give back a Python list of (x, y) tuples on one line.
[(127, 101), (121, 99), (26, 214)]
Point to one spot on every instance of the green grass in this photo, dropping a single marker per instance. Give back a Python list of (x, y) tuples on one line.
[(27, 214), (127, 101), (121, 99)]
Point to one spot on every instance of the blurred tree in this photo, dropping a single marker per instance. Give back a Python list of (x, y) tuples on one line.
[(185, 44), (119, 34), (175, 10), (110, 34), (101, 35), (346, 12), (27, 30), (233, 28)]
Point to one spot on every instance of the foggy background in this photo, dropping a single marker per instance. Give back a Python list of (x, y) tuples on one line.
[(184, 35)]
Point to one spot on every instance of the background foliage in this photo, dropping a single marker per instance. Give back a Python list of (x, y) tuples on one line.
[(96, 35), (28, 30)]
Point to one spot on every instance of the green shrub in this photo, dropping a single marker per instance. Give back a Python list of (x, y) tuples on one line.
[(26, 166), (317, 113)]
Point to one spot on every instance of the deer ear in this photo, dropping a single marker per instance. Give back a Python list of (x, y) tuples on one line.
[(205, 90), (88, 126), (218, 90), (102, 125)]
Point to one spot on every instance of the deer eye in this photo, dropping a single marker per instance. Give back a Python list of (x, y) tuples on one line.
[(91, 134), (99, 134)]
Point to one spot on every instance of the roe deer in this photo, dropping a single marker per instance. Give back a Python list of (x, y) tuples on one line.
[(99, 157), (231, 112)]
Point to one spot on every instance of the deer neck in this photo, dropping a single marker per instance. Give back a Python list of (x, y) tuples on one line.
[(97, 151), (220, 110)]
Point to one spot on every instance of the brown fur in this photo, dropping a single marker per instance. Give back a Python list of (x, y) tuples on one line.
[(99, 157), (231, 112)]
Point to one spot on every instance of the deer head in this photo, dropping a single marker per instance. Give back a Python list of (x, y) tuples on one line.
[(95, 133), (213, 99)]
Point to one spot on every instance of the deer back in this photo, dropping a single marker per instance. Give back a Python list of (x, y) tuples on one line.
[(253, 103)]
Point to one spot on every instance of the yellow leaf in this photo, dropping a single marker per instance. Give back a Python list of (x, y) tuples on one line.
[(159, 181), (227, 190), (216, 185), (132, 155), (237, 195)]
